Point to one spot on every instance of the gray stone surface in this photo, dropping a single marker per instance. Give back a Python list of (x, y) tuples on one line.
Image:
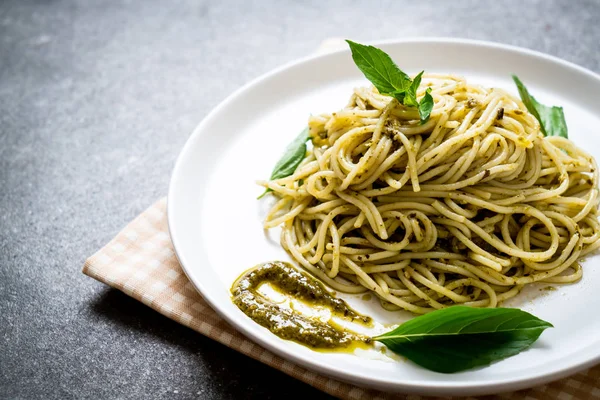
[(96, 101)]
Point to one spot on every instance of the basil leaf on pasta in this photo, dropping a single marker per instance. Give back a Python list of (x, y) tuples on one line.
[(425, 106), (292, 157), (457, 338), (379, 68), (552, 119), (411, 93), (389, 79)]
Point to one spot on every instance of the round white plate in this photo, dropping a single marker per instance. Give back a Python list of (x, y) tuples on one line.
[(216, 222)]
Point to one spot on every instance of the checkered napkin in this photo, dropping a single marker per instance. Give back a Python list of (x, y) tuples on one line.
[(140, 261)]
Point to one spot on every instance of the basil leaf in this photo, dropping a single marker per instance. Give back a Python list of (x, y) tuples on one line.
[(458, 338), (390, 80), (398, 95), (411, 93), (425, 106), (552, 119), (379, 68), (293, 156)]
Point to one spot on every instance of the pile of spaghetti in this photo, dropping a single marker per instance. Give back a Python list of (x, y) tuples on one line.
[(467, 208)]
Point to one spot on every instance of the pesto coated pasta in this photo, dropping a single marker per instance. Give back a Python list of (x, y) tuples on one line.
[(466, 208)]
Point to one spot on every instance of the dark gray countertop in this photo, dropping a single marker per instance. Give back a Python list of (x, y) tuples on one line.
[(96, 101)]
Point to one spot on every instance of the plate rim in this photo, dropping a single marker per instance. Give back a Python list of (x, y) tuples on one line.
[(480, 387)]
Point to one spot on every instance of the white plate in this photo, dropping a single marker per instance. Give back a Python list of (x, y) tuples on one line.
[(216, 222)]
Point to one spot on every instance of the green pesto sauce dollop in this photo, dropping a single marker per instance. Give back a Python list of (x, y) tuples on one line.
[(286, 323)]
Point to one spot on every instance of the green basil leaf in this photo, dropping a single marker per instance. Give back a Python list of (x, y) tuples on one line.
[(400, 96), (379, 68), (390, 80), (411, 93), (425, 106), (292, 157), (552, 119), (458, 338)]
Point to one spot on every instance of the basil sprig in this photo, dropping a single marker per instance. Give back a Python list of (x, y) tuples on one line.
[(458, 338), (389, 79), (552, 119), (292, 157)]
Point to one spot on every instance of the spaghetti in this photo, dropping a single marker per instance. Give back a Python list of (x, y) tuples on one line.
[(467, 208)]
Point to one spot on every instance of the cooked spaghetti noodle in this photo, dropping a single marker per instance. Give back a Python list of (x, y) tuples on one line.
[(467, 208)]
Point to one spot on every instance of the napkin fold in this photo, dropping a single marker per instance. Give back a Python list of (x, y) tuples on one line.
[(141, 262)]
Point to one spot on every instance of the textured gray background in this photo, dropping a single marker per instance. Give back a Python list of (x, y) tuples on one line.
[(96, 101)]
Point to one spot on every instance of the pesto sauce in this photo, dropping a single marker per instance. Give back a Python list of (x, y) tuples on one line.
[(286, 323)]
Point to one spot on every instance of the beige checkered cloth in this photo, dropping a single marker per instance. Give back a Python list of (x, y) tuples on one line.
[(141, 262)]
